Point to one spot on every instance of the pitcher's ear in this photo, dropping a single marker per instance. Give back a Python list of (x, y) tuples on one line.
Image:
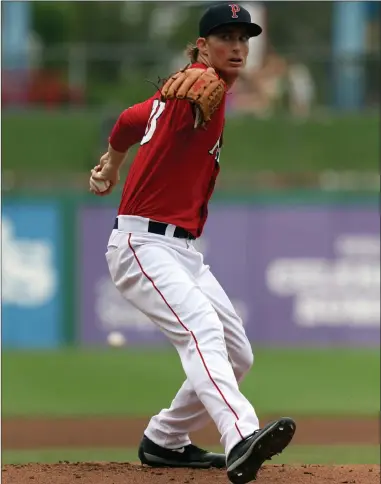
[(201, 44)]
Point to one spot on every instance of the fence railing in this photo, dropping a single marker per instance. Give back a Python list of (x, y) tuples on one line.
[(94, 74)]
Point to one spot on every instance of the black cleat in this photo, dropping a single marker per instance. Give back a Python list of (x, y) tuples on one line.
[(153, 455), (246, 458)]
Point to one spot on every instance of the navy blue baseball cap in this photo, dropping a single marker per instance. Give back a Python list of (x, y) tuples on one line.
[(227, 14)]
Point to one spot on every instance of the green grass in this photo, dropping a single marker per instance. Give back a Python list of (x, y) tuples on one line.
[(54, 141), (285, 146), (142, 381), (65, 141), (294, 455)]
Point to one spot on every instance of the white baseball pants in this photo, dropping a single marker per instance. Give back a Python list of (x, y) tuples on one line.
[(166, 278)]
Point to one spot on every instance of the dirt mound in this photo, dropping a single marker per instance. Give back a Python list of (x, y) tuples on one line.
[(125, 473), (29, 433)]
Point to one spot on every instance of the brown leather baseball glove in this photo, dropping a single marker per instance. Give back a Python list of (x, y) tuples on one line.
[(201, 87)]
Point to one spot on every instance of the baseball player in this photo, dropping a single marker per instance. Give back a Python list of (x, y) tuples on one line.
[(153, 261)]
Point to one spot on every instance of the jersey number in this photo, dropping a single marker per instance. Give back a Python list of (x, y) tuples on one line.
[(157, 111)]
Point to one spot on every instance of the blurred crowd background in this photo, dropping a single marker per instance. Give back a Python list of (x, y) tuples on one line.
[(72, 67)]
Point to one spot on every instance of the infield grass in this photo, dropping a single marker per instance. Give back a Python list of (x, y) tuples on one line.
[(138, 382)]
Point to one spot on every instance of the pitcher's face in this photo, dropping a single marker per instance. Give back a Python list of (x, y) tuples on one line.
[(226, 49)]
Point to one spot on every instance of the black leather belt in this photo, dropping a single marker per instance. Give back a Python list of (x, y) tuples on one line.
[(160, 227)]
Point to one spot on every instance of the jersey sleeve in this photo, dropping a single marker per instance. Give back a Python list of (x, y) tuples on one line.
[(130, 127)]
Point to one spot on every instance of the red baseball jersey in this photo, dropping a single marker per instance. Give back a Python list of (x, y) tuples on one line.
[(174, 172)]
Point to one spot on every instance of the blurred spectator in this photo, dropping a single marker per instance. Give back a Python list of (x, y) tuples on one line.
[(34, 50), (47, 87), (257, 45), (260, 90), (301, 89)]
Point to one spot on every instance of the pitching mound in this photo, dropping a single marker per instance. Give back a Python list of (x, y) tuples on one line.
[(125, 473)]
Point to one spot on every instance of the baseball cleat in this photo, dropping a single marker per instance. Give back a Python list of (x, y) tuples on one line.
[(246, 458), (153, 455)]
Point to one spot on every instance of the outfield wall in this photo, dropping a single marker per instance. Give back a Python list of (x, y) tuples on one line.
[(298, 273), (281, 145)]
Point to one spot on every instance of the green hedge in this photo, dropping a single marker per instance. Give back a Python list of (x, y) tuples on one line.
[(52, 142)]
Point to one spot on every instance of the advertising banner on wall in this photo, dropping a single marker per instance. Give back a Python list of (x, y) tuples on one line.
[(297, 276), (302, 275), (32, 296), (103, 310)]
